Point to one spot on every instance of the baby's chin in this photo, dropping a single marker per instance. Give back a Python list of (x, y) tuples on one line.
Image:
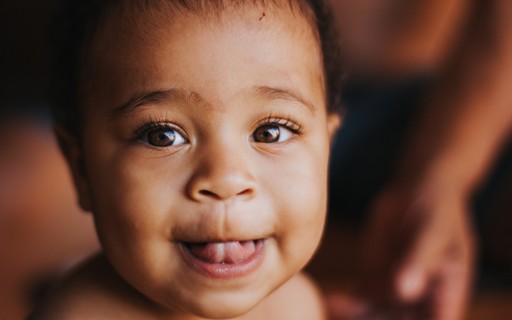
[(223, 313), (227, 309), (226, 305)]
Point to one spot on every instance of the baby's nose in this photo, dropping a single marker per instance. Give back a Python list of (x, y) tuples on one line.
[(222, 175)]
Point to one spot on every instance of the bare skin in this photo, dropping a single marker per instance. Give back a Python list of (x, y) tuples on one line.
[(203, 158), (419, 236), (96, 291)]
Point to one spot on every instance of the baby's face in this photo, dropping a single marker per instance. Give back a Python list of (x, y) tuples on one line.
[(205, 153)]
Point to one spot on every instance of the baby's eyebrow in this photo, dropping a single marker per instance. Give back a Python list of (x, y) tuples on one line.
[(155, 96), (284, 94)]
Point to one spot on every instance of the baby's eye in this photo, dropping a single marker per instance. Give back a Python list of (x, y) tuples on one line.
[(163, 137), (271, 133)]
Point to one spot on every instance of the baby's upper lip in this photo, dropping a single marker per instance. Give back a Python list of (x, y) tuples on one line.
[(200, 240), (200, 232)]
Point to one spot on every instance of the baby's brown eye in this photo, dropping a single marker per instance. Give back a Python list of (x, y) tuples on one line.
[(271, 133), (164, 137), (266, 134)]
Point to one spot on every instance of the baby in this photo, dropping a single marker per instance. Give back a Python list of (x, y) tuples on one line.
[(198, 135)]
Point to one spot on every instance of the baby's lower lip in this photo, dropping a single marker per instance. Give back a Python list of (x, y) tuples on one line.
[(223, 259)]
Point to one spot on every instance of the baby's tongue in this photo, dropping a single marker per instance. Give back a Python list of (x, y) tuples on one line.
[(222, 252)]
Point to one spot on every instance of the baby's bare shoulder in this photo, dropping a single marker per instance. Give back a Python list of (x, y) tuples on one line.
[(298, 299), (93, 291)]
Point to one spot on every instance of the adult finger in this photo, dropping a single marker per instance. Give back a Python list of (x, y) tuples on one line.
[(454, 286), (423, 257)]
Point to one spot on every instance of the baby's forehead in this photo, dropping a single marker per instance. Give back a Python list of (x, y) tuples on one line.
[(150, 24), (139, 49), (146, 16), (208, 7)]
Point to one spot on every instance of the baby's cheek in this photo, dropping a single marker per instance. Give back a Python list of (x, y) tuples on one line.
[(302, 215), (124, 204)]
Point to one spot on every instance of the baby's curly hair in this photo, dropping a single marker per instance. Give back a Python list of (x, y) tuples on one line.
[(78, 20)]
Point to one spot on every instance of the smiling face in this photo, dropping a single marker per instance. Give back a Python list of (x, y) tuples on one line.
[(205, 147)]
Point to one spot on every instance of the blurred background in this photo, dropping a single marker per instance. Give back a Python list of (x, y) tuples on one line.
[(43, 232), (402, 58)]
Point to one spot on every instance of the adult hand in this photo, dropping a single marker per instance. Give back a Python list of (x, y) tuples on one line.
[(417, 253)]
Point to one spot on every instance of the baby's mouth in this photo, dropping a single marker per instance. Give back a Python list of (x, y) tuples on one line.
[(224, 259), (230, 252)]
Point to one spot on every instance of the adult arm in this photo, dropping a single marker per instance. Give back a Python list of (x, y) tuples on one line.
[(419, 235)]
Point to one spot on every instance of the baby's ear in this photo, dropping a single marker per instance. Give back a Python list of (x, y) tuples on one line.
[(73, 153), (333, 124)]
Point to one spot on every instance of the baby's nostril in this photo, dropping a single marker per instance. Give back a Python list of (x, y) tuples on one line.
[(208, 193), (245, 192)]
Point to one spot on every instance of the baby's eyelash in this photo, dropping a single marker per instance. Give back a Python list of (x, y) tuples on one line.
[(142, 129), (284, 121), (153, 123)]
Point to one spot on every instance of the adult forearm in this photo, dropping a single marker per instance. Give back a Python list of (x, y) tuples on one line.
[(423, 33), (469, 112), (391, 38)]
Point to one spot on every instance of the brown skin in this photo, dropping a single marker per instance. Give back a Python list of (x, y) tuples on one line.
[(96, 291), (419, 235), (392, 38), (216, 181)]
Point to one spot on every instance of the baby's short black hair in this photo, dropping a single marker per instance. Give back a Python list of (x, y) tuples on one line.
[(78, 20)]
